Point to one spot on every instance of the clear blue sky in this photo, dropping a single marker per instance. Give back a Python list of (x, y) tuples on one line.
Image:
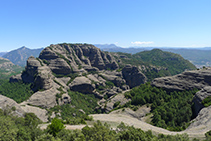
[(161, 23)]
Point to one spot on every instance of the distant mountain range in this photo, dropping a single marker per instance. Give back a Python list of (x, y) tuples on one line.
[(20, 55), (198, 56), (2, 53)]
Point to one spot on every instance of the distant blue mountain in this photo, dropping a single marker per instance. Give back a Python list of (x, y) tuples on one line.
[(2, 53), (20, 55)]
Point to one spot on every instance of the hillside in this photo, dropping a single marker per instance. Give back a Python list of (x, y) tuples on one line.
[(156, 63), (71, 81), (20, 55), (198, 56), (7, 68)]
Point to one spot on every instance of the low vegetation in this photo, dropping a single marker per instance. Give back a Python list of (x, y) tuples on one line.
[(17, 91), (207, 101), (27, 129), (157, 63), (171, 110), (77, 112)]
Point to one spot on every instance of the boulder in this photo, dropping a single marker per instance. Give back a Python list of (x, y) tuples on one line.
[(44, 99), (82, 84), (40, 113), (133, 76)]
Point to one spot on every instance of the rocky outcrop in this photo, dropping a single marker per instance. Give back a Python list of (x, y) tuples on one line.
[(9, 104), (202, 123), (133, 76), (82, 84), (185, 81), (40, 113), (199, 97), (44, 99), (109, 104), (67, 58)]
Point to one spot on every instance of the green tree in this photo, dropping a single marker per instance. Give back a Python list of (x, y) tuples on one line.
[(55, 127)]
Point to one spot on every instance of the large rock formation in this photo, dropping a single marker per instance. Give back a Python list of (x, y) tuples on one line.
[(82, 84), (133, 76), (77, 67), (9, 104), (185, 81)]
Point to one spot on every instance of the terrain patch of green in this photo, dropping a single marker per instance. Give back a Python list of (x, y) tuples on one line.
[(26, 129), (17, 91), (167, 63), (171, 110), (207, 101), (73, 113)]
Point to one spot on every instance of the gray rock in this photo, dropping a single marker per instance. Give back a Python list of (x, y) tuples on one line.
[(199, 97), (15, 78), (82, 84), (43, 79), (133, 76), (185, 81), (202, 123), (65, 99), (108, 105), (60, 66), (44, 99), (7, 104)]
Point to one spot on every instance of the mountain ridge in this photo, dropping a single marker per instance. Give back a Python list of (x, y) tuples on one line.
[(20, 55)]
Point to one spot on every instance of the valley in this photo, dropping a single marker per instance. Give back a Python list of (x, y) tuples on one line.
[(79, 83)]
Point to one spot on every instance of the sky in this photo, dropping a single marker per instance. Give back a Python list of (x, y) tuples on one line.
[(126, 23)]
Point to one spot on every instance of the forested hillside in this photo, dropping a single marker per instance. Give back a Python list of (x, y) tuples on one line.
[(156, 63)]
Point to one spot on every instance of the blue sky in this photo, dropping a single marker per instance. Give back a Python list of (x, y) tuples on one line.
[(156, 23)]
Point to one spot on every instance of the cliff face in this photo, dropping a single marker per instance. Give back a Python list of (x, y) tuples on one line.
[(76, 67), (185, 81), (71, 58)]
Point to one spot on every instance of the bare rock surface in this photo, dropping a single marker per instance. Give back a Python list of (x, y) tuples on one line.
[(82, 84), (40, 113), (7, 103), (139, 113), (133, 76), (44, 99), (185, 81), (110, 102), (202, 123)]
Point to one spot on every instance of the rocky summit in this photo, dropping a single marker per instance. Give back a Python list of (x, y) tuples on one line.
[(77, 67)]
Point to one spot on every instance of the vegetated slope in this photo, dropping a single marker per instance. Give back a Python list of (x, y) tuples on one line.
[(198, 56), (20, 55), (17, 91), (171, 110), (173, 62), (156, 63), (27, 128), (7, 69)]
